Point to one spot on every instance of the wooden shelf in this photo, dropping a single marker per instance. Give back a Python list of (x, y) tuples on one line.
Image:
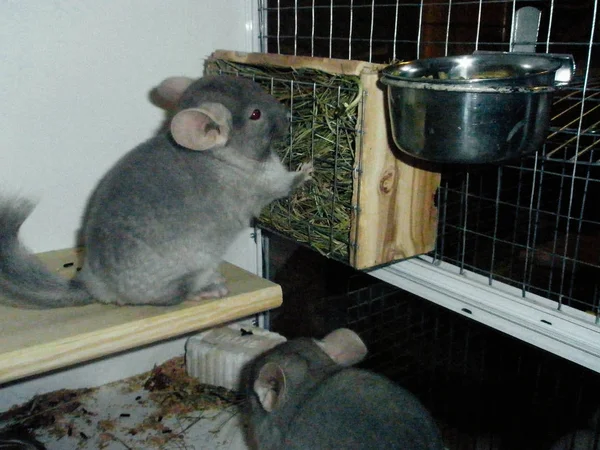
[(37, 341)]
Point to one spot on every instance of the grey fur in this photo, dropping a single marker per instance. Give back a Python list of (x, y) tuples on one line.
[(158, 223), (326, 406), (579, 440)]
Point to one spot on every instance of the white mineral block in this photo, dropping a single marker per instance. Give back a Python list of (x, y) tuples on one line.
[(217, 356)]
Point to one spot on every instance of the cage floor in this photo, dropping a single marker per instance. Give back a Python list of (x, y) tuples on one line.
[(160, 409)]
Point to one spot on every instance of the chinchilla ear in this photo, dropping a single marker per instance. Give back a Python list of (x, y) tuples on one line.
[(202, 128), (270, 386), (344, 346), (170, 90)]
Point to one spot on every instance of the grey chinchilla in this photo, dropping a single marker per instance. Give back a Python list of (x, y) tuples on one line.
[(158, 223), (303, 396)]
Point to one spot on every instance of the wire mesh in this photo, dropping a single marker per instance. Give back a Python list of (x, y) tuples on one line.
[(535, 223), (325, 129), (486, 390)]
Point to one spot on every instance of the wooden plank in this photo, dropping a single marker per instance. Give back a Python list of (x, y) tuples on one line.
[(36, 341), (397, 217), (329, 65)]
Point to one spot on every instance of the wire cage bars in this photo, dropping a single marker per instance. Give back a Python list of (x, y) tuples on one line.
[(535, 223), (324, 128), (486, 390)]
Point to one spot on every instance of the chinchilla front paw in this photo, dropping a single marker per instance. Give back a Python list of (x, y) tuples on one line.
[(306, 170), (302, 175)]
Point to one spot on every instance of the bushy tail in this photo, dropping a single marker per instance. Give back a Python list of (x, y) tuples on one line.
[(24, 280)]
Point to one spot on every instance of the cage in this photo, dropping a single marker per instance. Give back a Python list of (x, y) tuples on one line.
[(523, 237), (485, 388), (520, 240), (532, 223)]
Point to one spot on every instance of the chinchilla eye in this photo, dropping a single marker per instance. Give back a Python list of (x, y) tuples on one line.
[(255, 114)]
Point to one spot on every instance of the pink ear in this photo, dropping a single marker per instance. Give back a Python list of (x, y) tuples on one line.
[(171, 89), (270, 386), (203, 128), (344, 346)]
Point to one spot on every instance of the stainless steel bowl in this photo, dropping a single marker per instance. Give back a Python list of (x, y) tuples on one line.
[(480, 108)]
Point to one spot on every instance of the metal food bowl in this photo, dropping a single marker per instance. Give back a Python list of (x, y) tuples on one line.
[(482, 108)]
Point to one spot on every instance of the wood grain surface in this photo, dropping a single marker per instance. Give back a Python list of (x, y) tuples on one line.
[(36, 341)]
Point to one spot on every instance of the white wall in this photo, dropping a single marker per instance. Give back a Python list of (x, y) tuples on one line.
[(74, 80)]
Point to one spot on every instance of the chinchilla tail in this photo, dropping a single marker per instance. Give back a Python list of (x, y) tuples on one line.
[(24, 281)]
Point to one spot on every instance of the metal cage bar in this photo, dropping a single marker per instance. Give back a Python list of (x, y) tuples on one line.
[(535, 219)]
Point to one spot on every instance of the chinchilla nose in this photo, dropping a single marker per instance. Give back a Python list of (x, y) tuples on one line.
[(281, 126), (280, 130)]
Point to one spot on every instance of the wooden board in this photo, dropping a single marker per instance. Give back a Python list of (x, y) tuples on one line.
[(395, 200), (397, 216), (329, 65), (36, 341)]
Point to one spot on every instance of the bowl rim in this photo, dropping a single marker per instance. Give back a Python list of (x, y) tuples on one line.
[(426, 84), (551, 66)]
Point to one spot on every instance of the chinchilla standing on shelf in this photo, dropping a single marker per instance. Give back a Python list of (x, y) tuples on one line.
[(159, 222)]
